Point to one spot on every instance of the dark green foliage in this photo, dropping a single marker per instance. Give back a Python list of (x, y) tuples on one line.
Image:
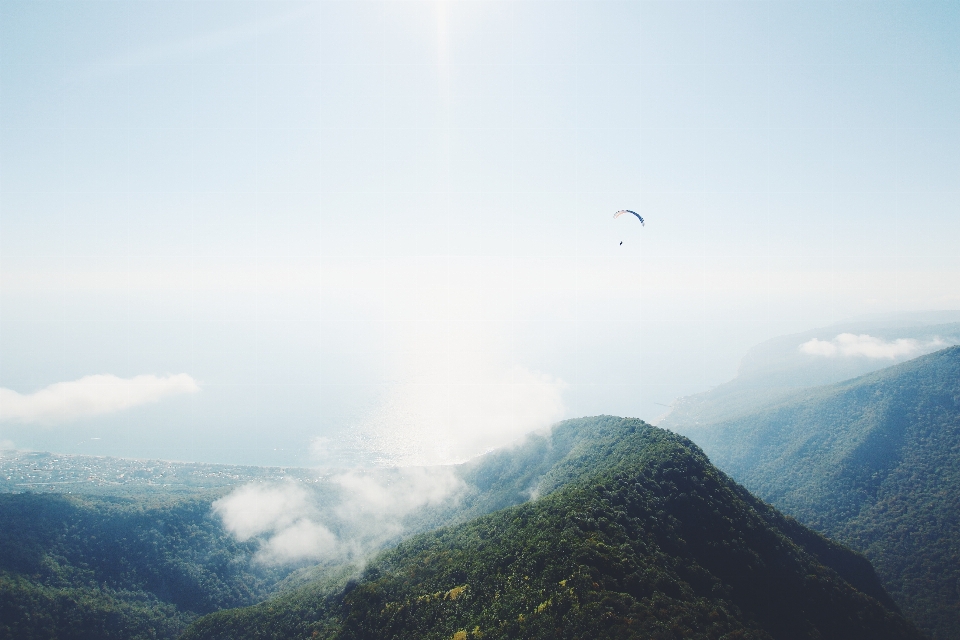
[(100, 551), (308, 612), (73, 567), (642, 538), (29, 610), (873, 462)]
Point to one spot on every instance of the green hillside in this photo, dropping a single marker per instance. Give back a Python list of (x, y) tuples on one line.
[(873, 462), (641, 538), (146, 555), (102, 568)]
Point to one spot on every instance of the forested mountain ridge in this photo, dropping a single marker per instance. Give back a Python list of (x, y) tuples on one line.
[(102, 568), (873, 462), (146, 554), (641, 537)]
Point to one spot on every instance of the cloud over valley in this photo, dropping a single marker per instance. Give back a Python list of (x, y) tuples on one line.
[(341, 517)]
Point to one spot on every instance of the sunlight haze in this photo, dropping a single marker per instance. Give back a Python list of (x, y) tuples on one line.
[(383, 231)]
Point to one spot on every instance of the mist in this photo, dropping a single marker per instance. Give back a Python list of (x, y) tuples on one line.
[(382, 233), (342, 517)]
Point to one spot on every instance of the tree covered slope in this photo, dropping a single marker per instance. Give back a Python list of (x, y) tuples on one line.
[(873, 462), (141, 560), (635, 535), (103, 568)]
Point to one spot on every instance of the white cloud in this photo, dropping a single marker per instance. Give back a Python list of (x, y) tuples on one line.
[(394, 494), (433, 423), (291, 526), (303, 540), (284, 515), (255, 509), (866, 346), (91, 396)]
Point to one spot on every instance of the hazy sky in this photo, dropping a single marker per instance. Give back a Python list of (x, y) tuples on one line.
[(388, 225)]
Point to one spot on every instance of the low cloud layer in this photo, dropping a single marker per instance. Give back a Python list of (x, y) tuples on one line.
[(390, 495), (433, 423), (303, 540), (284, 516), (255, 509), (296, 524), (90, 396), (866, 346)]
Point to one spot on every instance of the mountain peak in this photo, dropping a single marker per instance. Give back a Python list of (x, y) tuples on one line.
[(640, 536)]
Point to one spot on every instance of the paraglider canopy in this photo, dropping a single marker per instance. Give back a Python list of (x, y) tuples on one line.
[(623, 211)]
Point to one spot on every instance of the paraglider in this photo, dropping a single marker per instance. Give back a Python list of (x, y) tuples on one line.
[(623, 211)]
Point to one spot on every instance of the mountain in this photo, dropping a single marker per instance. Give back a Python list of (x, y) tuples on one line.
[(140, 553), (774, 370), (634, 534), (108, 567), (873, 462)]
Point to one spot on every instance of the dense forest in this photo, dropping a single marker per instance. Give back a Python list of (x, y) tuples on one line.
[(641, 538), (145, 555), (873, 462), (600, 527), (107, 567)]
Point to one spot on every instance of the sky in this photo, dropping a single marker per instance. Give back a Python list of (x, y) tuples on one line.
[(302, 233)]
